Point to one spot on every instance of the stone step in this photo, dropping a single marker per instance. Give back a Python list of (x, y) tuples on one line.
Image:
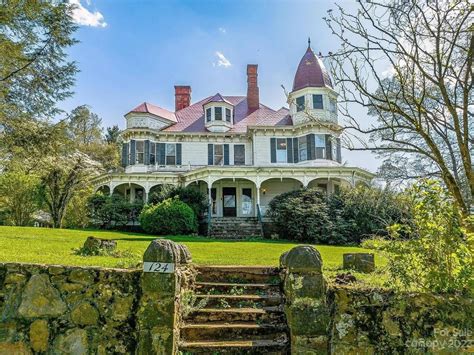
[(232, 331), (239, 274), (237, 288), (260, 346), (262, 315), (240, 301)]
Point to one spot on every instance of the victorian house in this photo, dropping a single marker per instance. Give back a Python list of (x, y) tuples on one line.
[(237, 150)]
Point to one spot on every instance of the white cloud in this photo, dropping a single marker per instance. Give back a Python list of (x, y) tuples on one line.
[(222, 30), (388, 72), (83, 16), (223, 61)]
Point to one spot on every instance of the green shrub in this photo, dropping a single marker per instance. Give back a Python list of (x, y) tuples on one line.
[(170, 217), (302, 215), (110, 211), (362, 212), (440, 256), (347, 217), (189, 195)]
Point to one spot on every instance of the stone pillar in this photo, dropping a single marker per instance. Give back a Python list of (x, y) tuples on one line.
[(306, 308), (157, 318)]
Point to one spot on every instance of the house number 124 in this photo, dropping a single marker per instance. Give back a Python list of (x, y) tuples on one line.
[(167, 268)]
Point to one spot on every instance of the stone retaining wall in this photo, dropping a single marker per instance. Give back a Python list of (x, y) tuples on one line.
[(377, 322), (77, 310), (64, 309)]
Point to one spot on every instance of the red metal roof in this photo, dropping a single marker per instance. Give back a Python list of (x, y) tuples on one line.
[(191, 118), (154, 110), (311, 72)]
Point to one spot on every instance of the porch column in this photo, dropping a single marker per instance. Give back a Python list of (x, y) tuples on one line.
[(258, 199)]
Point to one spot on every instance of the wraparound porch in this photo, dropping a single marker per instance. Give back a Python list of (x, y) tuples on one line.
[(236, 191)]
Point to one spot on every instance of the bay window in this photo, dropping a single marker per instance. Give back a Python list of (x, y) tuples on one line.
[(218, 113), (320, 145), (302, 148), (140, 152), (170, 154)]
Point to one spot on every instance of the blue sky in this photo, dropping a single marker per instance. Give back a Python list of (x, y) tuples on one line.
[(135, 51)]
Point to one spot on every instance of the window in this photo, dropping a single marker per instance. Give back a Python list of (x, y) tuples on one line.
[(152, 153), (218, 113), (208, 115), (300, 104), (332, 106), (247, 201), (139, 195), (170, 154), (334, 148), (281, 150), (227, 114), (239, 154), (320, 145), (140, 152), (218, 154), (303, 148), (318, 102)]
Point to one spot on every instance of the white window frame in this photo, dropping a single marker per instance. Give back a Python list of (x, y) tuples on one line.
[(141, 153), (218, 155), (279, 159), (170, 155), (319, 147)]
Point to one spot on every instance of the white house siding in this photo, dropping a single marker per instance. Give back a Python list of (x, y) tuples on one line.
[(274, 187)]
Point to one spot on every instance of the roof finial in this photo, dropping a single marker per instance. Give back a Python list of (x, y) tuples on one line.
[(309, 42)]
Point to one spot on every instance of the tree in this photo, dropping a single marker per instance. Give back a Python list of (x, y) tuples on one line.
[(85, 130), (19, 195), (84, 126), (64, 176), (423, 102), (34, 72), (112, 134)]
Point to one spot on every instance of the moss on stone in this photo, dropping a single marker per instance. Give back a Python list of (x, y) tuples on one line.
[(39, 335)]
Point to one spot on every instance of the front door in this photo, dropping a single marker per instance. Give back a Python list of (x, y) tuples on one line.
[(230, 201)]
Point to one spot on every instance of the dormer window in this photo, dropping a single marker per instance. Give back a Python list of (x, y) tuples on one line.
[(318, 102), (300, 103), (218, 113)]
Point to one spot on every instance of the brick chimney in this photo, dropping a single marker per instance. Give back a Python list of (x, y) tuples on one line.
[(182, 97), (253, 99)]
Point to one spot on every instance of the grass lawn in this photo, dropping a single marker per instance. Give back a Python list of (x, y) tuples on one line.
[(55, 246)]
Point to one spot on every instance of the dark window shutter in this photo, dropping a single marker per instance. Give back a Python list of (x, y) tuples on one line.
[(133, 157), (161, 153), (338, 148), (147, 152), (289, 149), (178, 154), (273, 150), (311, 146), (210, 154), (226, 154), (328, 147), (124, 154), (295, 150)]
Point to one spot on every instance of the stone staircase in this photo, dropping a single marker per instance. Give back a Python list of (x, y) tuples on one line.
[(243, 313), (235, 227)]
